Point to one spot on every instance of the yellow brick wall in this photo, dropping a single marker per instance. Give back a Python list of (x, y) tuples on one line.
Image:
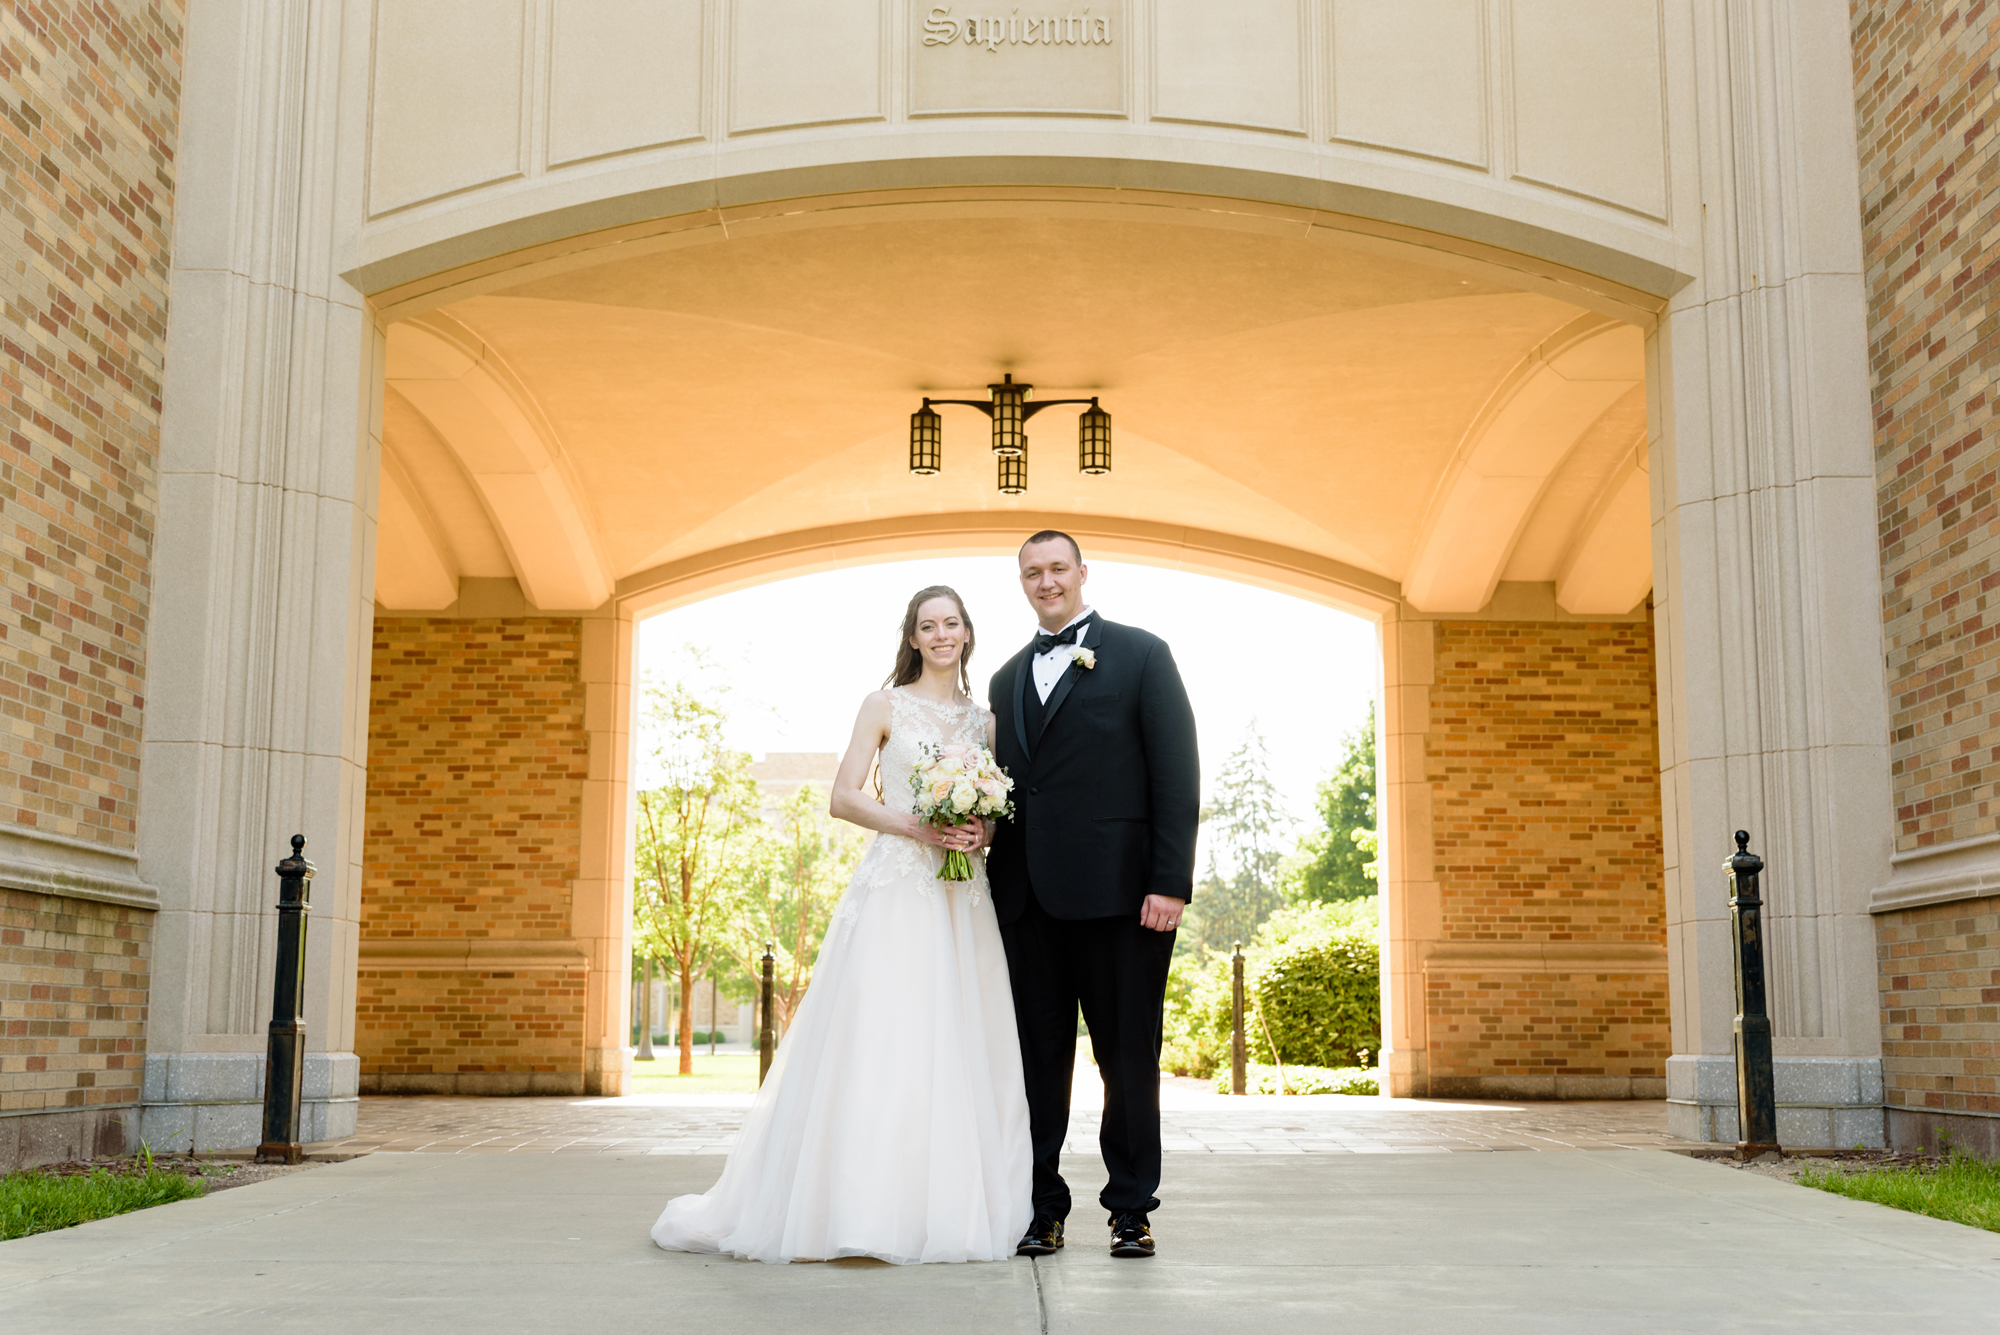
[(1940, 978), (87, 140), (1543, 760), (1924, 82), (73, 978), (477, 755)]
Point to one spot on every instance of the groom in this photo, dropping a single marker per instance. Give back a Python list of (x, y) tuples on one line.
[(1090, 877)]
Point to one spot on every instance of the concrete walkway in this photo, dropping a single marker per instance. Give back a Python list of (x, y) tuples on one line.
[(1616, 1240)]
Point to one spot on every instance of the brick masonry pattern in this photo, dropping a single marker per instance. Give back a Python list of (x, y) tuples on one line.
[(86, 150), (477, 755), (73, 980), (1925, 88), (1940, 976), (1543, 761), (1924, 95)]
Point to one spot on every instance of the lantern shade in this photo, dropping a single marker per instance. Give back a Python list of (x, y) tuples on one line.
[(1014, 471), (1093, 440), (926, 441), (1009, 417)]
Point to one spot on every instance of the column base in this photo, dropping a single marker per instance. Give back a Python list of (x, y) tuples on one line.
[(1823, 1102), (197, 1102), (606, 1071)]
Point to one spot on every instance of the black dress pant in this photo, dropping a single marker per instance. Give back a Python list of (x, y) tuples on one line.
[(1117, 971)]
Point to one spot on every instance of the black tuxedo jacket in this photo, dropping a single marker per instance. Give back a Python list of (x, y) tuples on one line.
[(1106, 804)]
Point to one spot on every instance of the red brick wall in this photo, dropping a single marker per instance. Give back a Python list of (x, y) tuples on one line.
[(73, 985), (476, 760), (86, 191), (1543, 760)]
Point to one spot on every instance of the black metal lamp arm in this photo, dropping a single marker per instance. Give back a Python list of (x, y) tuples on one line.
[(1027, 409)]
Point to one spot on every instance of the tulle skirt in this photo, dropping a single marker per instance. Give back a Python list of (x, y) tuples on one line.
[(893, 1123)]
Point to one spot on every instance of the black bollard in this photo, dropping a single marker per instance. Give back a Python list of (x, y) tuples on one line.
[(1237, 1075), (285, 1057), (766, 1041), (1756, 1089)]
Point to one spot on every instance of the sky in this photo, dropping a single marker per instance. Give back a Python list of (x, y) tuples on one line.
[(800, 654)]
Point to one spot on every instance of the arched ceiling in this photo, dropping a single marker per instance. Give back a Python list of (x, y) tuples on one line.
[(1429, 425)]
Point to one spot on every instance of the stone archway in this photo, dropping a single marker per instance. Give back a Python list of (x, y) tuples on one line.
[(1489, 440), (440, 174)]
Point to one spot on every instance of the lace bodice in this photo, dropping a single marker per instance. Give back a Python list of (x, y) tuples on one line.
[(915, 722)]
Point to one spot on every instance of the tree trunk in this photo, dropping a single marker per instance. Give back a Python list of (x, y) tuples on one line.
[(686, 1034), (646, 1013)]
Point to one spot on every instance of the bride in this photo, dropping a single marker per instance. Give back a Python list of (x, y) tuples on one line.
[(893, 1123)]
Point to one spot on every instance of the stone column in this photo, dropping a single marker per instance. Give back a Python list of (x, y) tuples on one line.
[(258, 684), (1773, 714), (601, 913), (1411, 911)]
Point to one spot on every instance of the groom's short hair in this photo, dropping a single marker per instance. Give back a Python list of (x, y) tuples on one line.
[(1054, 535)]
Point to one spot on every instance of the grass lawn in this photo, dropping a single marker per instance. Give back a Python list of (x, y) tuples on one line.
[(1961, 1188), (724, 1073), (33, 1202)]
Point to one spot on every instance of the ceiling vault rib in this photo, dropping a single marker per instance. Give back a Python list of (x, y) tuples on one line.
[(1504, 463), (500, 437)]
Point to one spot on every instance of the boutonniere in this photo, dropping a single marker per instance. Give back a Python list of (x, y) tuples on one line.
[(1084, 658)]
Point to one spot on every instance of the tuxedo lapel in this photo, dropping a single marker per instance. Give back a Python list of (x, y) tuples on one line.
[(1066, 682), (1024, 664)]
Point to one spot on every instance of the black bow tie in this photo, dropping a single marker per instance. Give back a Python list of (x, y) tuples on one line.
[(1067, 635)]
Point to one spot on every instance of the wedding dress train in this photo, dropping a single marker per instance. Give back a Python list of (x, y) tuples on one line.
[(893, 1123)]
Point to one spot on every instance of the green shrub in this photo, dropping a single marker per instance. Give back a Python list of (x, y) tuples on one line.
[(1196, 1037), (38, 1202), (1320, 997), (1261, 1079), (1312, 974)]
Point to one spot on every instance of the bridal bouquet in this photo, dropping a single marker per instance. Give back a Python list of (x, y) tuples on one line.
[(952, 783)]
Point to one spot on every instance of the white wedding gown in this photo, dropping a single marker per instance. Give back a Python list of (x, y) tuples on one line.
[(893, 1123)]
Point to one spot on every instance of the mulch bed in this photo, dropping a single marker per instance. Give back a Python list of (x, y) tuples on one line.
[(219, 1174)]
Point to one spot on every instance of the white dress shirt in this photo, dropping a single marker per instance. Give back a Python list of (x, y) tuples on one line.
[(1050, 666)]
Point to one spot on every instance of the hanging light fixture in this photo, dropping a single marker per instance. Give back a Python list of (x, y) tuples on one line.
[(1014, 470), (926, 441), (1010, 416), (1010, 410), (1093, 440)]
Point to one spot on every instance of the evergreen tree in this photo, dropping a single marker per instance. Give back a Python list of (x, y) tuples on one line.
[(1248, 825), (1340, 857)]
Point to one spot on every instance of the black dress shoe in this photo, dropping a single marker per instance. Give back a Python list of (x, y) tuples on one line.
[(1043, 1238), (1131, 1235)]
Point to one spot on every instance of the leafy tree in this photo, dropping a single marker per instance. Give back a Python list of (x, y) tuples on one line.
[(1249, 823), (791, 888), (699, 835), (1339, 859)]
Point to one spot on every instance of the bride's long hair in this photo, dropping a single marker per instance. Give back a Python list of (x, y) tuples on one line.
[(909, 663)]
